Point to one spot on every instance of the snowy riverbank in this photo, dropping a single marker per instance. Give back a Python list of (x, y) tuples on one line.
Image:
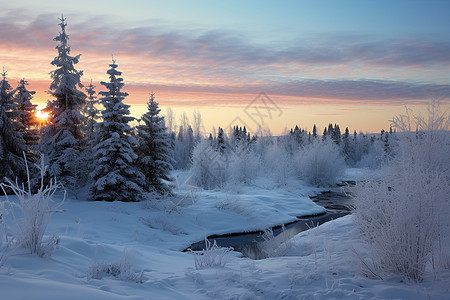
[(320, 263)]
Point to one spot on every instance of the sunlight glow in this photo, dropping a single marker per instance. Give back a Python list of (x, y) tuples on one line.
[(42, 116)]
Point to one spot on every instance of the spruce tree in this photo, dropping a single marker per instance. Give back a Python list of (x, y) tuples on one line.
[(221, 146), (90, 111), (314, 133), (92, 114), (26, 119), (62, 141), (115, 176), (12, 144), (155, 159), (346, 143), (336, 134), (325, 134)]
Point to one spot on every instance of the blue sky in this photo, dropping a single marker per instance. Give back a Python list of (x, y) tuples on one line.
[(288, 18), (349, 55)]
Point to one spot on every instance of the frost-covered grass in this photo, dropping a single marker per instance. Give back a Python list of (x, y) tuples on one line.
[(211, 256), (122, 269), (30, 214)]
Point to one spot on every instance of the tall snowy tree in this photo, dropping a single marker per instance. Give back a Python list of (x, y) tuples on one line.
[(116, 177), (155, 159), (12, 143), (221, 146), (314, 132), (90, 111), (346, 143), (63, 139), (92, 115), (325, 134), (26, 119)]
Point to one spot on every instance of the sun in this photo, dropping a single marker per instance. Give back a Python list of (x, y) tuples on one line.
[(42, 116)]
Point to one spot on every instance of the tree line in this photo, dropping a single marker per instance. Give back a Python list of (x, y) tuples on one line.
[(80, 141), (99, 148)]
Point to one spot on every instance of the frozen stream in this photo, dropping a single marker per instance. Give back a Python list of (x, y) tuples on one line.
[(252, 244)]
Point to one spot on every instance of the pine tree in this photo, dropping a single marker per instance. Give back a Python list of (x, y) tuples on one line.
[(221, 141), (12, 144), (325, 134), (62, 141), (330, 130), (92, 115), (154, 160), (346, 143), (26, 119), (298, 135), (115, 176), (336, 134), (90, 110), (314, 133)]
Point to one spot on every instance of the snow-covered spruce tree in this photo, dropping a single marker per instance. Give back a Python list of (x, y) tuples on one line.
[(90, 111), (155, 151), (26, 119), (62, 141), (221, 143), (92, 115), (12, 144), (115, 176)]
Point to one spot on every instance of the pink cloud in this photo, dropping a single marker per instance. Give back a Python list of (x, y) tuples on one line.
[(220, 68)]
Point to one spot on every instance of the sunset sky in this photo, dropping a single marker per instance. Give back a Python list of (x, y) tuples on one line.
[(355, 63)]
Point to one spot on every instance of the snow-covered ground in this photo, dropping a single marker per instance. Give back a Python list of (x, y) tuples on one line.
[(320, 263)]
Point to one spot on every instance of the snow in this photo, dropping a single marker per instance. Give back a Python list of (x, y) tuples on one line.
[(319, 263)]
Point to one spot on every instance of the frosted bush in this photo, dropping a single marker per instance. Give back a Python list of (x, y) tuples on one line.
[(212, 256), (32, 212), (245, 166), (277, 163), (209, 166), (320, 163), (403, 215), (398, 217), (374, 158)]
